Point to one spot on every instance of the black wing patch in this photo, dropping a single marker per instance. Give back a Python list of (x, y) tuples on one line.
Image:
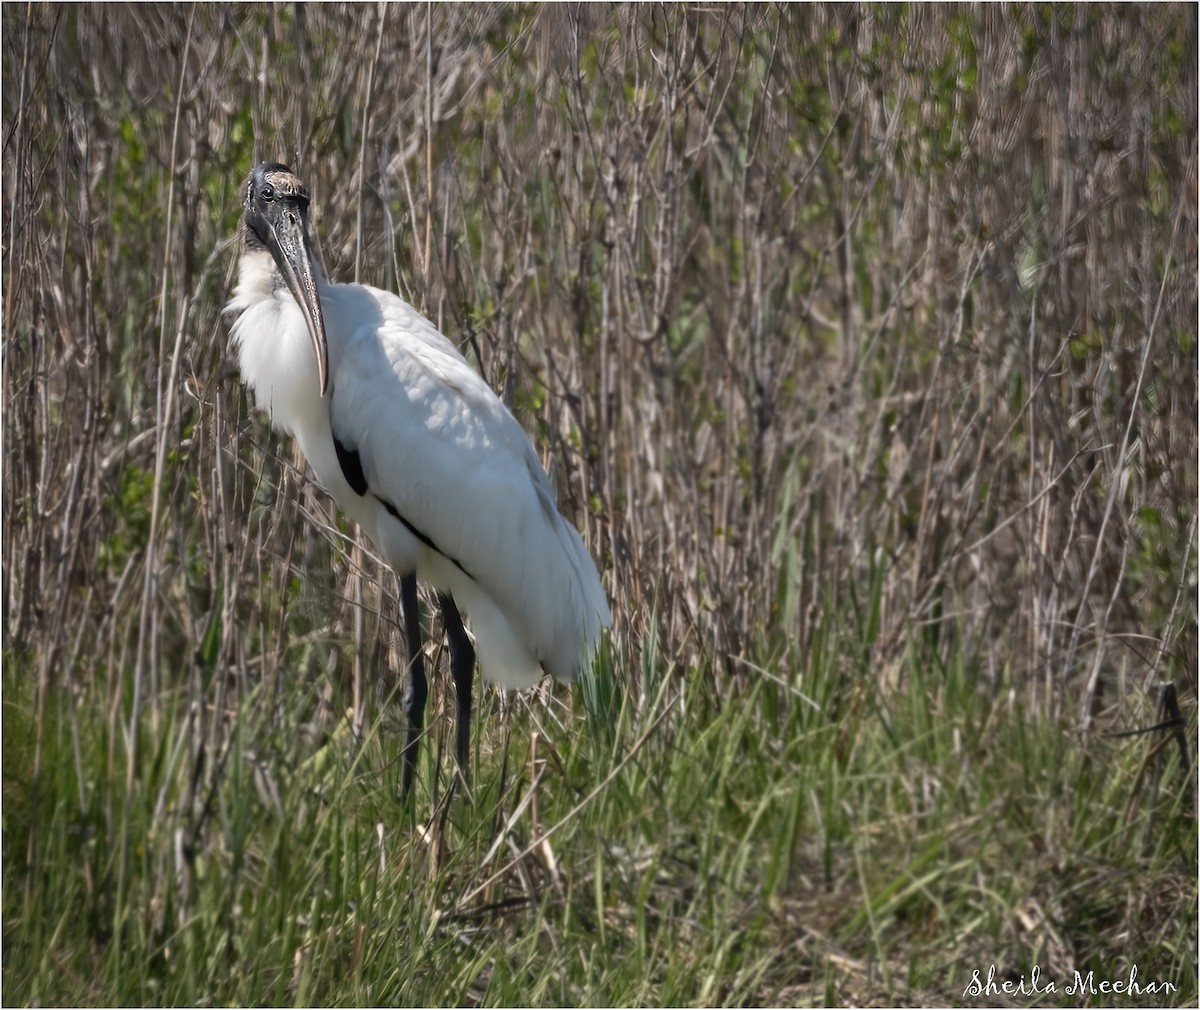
[(351, 465), (395, 514)]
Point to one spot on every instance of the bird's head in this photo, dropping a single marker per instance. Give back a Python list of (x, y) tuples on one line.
[(276, 216)]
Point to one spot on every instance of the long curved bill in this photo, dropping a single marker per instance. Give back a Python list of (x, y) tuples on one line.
[(293, 254)]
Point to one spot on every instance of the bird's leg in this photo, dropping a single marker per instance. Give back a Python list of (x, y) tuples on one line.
[(415, 692), (462, 667)]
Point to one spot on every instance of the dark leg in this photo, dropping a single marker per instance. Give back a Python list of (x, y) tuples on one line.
[(415, 692), (462, 667)]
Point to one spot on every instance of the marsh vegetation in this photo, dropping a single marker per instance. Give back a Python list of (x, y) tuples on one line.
[(861, 345)]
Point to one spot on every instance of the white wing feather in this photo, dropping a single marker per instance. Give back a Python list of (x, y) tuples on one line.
[(437, 444)]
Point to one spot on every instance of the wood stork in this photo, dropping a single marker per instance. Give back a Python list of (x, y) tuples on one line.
[(417, 449)]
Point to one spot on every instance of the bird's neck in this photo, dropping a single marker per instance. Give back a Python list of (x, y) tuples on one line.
[(275, 353), (259, 276)]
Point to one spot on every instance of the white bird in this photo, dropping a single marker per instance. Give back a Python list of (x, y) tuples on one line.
[(417, 449)]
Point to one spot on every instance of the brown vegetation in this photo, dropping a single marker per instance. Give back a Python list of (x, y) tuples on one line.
[(894, 296), (871, 325)]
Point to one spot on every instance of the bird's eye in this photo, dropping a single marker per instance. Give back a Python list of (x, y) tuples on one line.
[(267, 192)]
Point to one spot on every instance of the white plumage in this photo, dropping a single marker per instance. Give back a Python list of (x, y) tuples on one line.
[(454, 492)]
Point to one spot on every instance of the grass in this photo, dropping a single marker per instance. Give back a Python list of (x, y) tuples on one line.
[(859, 342), (703, 848)]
